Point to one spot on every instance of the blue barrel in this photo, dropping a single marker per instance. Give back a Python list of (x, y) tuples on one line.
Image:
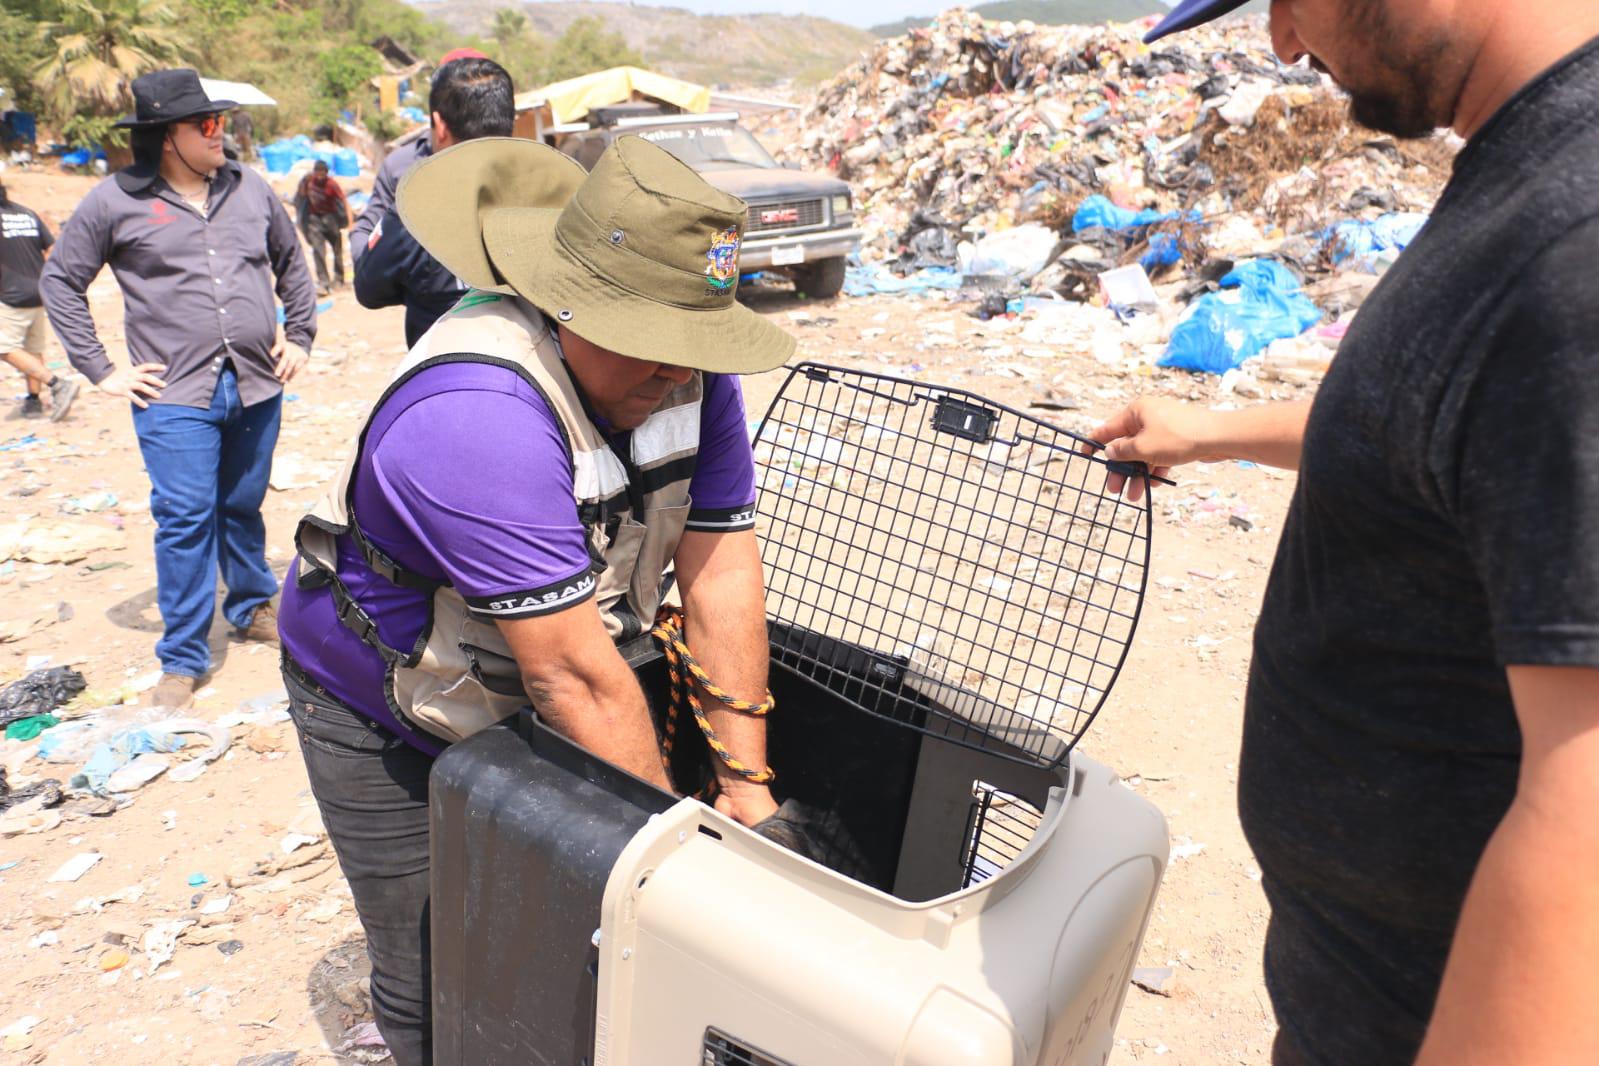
[(346, 164), (278, 157)]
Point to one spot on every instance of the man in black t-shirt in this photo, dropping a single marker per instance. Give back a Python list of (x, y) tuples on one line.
[(1420, 767), (24, 242)]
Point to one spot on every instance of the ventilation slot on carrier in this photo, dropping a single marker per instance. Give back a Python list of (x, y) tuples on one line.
[(723, 1050)]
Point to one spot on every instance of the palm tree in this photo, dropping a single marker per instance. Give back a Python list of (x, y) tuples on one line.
[(100, 47), (509, 24)]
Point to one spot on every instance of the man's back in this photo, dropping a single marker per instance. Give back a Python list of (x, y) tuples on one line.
[(1446, 526), (394, 167), (24, 238)]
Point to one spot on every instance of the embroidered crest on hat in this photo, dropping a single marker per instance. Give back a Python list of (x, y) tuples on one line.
[(722, 273)]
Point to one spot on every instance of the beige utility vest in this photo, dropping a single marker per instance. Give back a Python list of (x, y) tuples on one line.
[(461, 677)]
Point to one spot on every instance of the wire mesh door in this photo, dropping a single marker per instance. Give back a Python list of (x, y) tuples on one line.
[(944, 561)]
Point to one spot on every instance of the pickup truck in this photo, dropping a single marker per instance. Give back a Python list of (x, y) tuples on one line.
[(800, 223)]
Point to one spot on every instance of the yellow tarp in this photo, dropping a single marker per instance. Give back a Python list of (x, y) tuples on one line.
[(570, 100)]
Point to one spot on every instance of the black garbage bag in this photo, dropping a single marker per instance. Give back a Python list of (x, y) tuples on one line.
[(929, 240), (49, 788), (817, 835), (39, 693)]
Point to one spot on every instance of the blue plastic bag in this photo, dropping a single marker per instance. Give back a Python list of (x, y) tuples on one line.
[(1098, 211), (1359, 245), (1260, 303), (1164, 250)]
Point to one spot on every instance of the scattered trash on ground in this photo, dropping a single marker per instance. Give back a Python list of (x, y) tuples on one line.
[(75, 867), (39, 693), (1157, 980)]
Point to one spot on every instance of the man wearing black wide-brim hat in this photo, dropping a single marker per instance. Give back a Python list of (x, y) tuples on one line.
[(199, 246)]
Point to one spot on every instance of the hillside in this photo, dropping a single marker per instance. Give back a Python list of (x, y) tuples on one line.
[(1055, 13), (711, 49)]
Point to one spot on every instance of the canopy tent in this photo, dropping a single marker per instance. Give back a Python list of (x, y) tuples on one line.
[(238, 91), (570, 100)]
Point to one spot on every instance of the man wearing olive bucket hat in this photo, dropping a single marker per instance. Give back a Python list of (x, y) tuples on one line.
[(548, 447)]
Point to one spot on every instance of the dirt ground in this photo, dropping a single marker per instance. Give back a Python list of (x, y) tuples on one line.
[(274, 976)]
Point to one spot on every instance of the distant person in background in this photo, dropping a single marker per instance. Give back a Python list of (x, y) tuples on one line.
[(198, 245), (24, 242), (401, 160), (324, 213), (244, 134), (471, 98)]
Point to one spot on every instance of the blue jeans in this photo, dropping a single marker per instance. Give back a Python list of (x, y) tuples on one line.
[(208, 475)]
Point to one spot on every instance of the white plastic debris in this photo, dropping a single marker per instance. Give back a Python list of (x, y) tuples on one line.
[(291, 841), (76, 866), (161, 940)]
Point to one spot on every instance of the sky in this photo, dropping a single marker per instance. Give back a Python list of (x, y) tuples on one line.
[(851, 12)]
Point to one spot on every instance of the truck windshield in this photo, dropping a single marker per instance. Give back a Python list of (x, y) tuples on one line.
[(711, 147)]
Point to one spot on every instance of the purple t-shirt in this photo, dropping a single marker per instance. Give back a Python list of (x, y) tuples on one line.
[(464, 478)]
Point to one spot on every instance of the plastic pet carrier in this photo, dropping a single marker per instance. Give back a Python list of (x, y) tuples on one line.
[(951, 592)]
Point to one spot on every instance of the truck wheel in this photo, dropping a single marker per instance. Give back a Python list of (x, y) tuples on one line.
[(822, 280)]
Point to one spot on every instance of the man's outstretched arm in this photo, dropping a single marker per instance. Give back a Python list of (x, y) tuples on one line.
[(1166, 433)]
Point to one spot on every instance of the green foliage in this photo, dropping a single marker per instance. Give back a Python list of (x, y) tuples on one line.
[(346, 69), (97, 48), (585, 47), (509, 24), (92, 131), (223, 14), (21, 51), (384, 126)]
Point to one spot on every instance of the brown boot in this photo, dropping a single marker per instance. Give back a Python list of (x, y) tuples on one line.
[(263, 625), (174, 691)]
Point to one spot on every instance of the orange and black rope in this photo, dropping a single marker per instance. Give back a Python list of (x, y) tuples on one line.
[(684, 670)]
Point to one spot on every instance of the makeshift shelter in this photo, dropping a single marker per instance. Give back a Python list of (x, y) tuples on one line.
[(541, 111), (240, 92)]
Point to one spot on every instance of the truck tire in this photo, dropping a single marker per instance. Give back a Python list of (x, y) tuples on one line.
[(821, 280)]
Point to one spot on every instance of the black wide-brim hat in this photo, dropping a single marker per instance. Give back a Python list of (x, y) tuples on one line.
[(166, 96)]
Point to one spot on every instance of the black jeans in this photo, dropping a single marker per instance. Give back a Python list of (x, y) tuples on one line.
[(372, 788)]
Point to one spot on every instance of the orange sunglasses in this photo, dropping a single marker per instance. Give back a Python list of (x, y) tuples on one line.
[(208, 125)]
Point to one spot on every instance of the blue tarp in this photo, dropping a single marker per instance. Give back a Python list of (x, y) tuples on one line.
[(280, 156), (1358, 245), (869, 280), (1260, 303), (80, 157), (21, 126)]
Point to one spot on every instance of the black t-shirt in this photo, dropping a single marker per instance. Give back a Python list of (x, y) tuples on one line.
[(1445, 526), (23, 240)]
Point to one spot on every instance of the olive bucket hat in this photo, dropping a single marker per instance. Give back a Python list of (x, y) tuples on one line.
[(640, 256)]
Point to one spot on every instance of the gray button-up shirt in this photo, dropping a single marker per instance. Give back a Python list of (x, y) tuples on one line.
[(197, 289)]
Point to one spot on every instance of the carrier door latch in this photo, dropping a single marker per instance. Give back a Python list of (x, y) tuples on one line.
[(970, 421)]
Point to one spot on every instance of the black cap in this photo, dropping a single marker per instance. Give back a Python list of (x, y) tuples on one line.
[(165, 96)]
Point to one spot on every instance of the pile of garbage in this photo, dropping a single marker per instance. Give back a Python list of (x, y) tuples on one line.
[(1077, 162), (968, 128)]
